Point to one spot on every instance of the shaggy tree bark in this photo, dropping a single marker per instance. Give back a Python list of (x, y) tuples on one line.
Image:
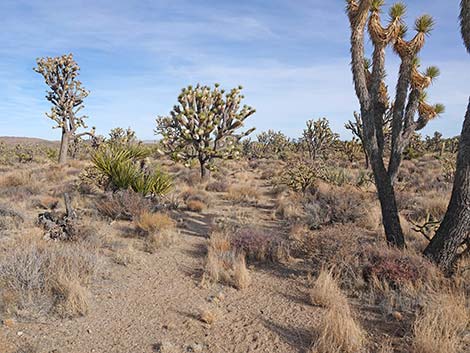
[(455, 228), (374, 100), (358, 15), (454, 231)]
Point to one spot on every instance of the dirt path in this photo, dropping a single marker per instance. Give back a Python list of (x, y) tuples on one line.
[(154, 305)]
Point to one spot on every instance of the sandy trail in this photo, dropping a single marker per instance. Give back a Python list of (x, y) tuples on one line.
[(158, 300)]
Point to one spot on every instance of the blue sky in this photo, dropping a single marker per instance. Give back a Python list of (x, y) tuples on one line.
[(292, 57)]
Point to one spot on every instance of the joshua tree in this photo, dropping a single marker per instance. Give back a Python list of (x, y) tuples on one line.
[(272, 143), (203, 125), (66, 95), (374, 100), (319, 138), (121, 137), (454, 232)]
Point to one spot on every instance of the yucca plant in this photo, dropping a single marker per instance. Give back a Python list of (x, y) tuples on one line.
[(122, 168)]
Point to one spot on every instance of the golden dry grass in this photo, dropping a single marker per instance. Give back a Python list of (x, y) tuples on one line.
[(154, 222), (195, 205), (326, 292), (441, 325), (224, 264), (243, 194), (338, 330)]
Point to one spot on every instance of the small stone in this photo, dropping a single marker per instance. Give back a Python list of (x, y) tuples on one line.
[(9, 322), (164, 347), (20, 333), (196, 348), (397, 316)]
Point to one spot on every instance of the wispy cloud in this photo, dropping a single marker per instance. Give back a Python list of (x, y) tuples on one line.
[(291, 56)]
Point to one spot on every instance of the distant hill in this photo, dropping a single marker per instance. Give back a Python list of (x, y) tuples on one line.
[(13, 140)]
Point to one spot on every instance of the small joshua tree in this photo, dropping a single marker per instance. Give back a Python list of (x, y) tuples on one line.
[(272, 144), (373, 96), (318, 138), (121, 137), (203, 125), (66, 95)]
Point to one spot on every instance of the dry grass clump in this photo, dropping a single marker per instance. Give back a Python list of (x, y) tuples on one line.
[(217, 186), (433, 205), (158, 230), (224, 264), (372, 219), (15, 179), (195, 205), (38, 277), (19, 185), (338, 330), (195, 200), (325, 291), (289, 208), (243, 194), (149, 222), (441, 325), (208, 316)]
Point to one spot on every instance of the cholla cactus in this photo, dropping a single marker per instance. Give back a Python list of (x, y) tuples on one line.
[(66, 95), (318, 138), (203, 125), (352, 149)]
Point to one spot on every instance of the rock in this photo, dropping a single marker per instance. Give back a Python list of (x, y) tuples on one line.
[(164, 347), (195, 347), (397, 316)]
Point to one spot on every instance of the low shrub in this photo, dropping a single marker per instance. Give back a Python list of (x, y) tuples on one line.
[(125, 205), (39, 277), (258, 245), (217, 186)]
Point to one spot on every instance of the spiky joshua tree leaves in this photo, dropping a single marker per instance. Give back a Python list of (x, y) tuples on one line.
[(203, 125), (452, 239), (66, 95), (410, 112)]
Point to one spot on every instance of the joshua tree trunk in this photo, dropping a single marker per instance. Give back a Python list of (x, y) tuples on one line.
[(64, 146), (455, 228), (386, 195), (203, 170)]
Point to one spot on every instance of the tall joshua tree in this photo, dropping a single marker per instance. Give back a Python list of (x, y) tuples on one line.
[(373, 96), (454, 232), (66, 95), (203, 125)]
